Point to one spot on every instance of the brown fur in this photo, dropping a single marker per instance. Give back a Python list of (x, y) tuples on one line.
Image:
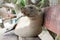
[(34, 28)]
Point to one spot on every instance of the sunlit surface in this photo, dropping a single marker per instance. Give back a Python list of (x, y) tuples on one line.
[(23, 22)]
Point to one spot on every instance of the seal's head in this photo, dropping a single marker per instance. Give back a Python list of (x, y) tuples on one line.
[(30, 10)]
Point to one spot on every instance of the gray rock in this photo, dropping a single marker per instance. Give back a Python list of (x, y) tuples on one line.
[(9, 36)]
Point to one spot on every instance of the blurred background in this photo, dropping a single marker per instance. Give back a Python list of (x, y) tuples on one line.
[(10, 12)]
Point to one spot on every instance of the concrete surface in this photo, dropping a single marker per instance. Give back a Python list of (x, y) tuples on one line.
[(45, 35)]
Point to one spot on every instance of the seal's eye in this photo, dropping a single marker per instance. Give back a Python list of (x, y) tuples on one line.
[(31, 7)]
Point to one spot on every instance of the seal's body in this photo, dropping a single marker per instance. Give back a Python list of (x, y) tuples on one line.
[(30, 25)]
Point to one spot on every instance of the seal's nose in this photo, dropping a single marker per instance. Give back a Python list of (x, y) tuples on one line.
[(31, 7)]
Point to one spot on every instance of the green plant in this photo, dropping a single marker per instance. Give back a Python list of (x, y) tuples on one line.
[(21, 3)]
